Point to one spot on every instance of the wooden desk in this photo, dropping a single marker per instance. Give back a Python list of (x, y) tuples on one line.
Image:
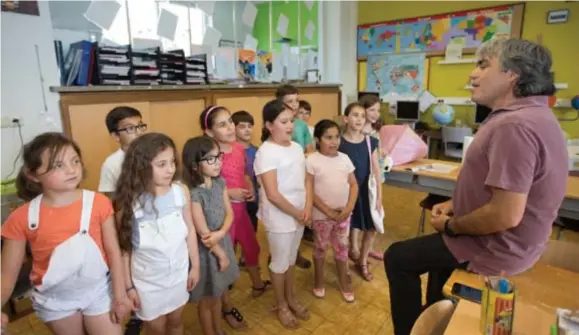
[(443, 184)]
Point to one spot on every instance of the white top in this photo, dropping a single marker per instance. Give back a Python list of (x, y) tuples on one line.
[(110, 171), (330, 180), (311, 131), (290, 166)]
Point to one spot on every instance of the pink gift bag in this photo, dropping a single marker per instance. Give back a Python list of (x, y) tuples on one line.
[(402, 144)]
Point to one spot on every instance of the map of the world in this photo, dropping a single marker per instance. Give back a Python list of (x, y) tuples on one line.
[(399, 75)]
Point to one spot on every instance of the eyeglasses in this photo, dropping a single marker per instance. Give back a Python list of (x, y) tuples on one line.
[(305, 112), (213, 159), (141, 127)]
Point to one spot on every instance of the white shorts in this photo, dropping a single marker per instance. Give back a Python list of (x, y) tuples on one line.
[(284, 249), (51, 309)]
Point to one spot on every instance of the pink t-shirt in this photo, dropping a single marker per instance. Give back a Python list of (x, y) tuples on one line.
[(233, 168), (330, 179)]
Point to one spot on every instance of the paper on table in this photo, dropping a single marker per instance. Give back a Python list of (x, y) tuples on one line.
[(436, 167), (309, 4), (310, 29), (282, 24), (225, 61), (102, 13), (250, 43), (167, 24), (206, 6), (249, 14), (212, 37), (425, 100)]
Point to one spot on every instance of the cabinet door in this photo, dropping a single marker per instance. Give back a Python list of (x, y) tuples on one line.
[(89, 131), (324, 106), (253, 105), (177, 119)]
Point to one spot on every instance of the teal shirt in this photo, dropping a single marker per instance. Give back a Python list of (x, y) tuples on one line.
[(301, 133)]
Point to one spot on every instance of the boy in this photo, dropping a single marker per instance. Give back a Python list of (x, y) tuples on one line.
[(289, 95), (305, 111), (124, 124)]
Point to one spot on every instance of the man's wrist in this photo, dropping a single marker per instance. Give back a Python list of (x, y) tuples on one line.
[(449, 227)]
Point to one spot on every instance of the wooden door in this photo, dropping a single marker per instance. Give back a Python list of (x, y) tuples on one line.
[(324, 106)]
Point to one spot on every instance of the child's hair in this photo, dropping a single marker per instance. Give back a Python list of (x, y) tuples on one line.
[(271, 111), (322, 126), (242, 116), (136, 179), (368, 101), (284, 90), (351, 106), (32, 152), (118, 114), (305, 105), (193, 152), (208, 115)]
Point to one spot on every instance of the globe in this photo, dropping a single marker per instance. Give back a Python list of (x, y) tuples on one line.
[(443, 114)]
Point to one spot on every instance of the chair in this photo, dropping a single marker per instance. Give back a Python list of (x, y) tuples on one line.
[(562, 254), (566, 224), (434, 319), (426, 204), (453, 139)]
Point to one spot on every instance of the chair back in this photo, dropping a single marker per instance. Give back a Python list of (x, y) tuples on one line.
[(434, 319)]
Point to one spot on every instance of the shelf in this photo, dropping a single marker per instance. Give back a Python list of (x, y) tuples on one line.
[(465, 101), (458, 61), (559, 86)]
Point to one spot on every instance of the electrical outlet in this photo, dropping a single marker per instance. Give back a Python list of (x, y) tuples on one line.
[(10, 122)]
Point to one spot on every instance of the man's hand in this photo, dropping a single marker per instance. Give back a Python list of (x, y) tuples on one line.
[(443, 208), (438, 221)]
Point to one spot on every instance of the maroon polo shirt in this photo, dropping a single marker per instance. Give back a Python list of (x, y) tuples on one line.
[(519, 148)]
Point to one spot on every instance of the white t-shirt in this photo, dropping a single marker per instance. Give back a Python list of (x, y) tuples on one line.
[(290, 166), (110, 171), (311, 131), (330, 180)]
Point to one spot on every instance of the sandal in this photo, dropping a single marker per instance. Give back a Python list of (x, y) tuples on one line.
[(301, 312), (376, 255), (364, 272), (237, 316), (319, 292), (259, 291), (348, 296), (286, 318)]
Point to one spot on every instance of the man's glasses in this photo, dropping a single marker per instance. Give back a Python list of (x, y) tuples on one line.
[(213, 159), (141, 127)]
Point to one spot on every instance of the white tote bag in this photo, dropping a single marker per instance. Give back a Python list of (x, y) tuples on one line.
[(377, 216)]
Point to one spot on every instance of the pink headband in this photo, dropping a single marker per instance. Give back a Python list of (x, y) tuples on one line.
[(211, 109)]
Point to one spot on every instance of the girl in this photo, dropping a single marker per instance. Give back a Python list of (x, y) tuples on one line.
[(213, 216), (72, 235), (335, 193), (371, 104), (286, 205), (355, 145), (216, 122), (156, 234)]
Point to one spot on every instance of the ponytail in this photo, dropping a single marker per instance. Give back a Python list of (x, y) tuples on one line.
[(26, 189), (265, 134)]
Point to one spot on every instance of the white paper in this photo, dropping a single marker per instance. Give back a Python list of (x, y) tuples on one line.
[(310, 29), (102, 13), (425, 100), (282, 24), (206, 6), (276, 67), (212, 37), (145, 43), (436, 167), (309, 4), (249, 14), (250, 43), (167, 24), (293, 67), (453, 51), (467, 142), (225, 61)]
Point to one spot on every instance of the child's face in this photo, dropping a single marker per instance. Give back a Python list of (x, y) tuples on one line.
[(210, 164), (293, 102), (243, 131), (129, 129), (164, 167), (223, 129), (356, 119), (330, 141), (66, 172), (373, 113), (304, 114), (283, 126)]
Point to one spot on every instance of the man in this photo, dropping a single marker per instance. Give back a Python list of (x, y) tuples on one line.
[(509, 189)]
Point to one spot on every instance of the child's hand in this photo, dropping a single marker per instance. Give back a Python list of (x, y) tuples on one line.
[(238, 194), (121, 308), (250, 196), (211, 239), (134, 298), (4, 323), (333, 214), (343, 214), (193, 279)]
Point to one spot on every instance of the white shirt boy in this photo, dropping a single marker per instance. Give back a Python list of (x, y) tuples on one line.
[(110, 172)]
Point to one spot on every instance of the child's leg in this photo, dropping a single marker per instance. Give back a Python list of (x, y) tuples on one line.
[(299, 311), (101, 324), (222, 258), (205, 313), (322, 229), (339, 238), (174, 324), (231, 314), (280, 248), (70, 325), (367, 240), (216, 308), (355, 244), (156, 326), (245, 235)]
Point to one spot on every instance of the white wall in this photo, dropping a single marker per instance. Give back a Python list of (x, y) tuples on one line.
[(21, 86)]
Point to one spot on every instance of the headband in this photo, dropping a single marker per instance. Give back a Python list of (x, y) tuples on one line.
[(211, 109)]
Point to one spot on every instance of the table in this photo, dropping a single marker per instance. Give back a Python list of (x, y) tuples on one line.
[(443, 183)]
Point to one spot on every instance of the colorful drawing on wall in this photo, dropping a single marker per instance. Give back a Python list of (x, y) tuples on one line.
[(21, 7), (264, 65), (432, 34), (247, 60), (400, 75)]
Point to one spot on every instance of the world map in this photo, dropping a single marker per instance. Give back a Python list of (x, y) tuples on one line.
[(400, 75)]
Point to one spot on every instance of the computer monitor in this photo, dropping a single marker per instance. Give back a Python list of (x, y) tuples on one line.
[(407, 111), (481, 113)]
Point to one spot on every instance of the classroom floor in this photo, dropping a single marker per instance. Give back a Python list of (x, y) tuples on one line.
[(370, 314)]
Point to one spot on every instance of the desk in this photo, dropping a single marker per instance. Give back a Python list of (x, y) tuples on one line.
[(443, 184), (540, 291)]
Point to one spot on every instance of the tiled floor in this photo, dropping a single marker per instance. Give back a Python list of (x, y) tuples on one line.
[(370, 314)]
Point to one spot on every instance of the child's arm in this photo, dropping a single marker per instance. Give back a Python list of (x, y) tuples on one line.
[(251, 188), (268, 180), (378, 175), (116, 266), (228, 220), (13, 254), (192, 236), (318, 203), (353, 195), (309, 197), (200, 223)]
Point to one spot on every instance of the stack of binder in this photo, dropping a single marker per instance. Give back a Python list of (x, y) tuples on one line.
[(196, 70), (145, 67), (112, 65), (172, 67)]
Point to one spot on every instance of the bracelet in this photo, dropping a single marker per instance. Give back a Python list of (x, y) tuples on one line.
[(130, 288)]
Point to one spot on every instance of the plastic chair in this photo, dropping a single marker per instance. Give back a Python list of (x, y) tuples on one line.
[(434, 319), (453, 139), (426, 204)]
